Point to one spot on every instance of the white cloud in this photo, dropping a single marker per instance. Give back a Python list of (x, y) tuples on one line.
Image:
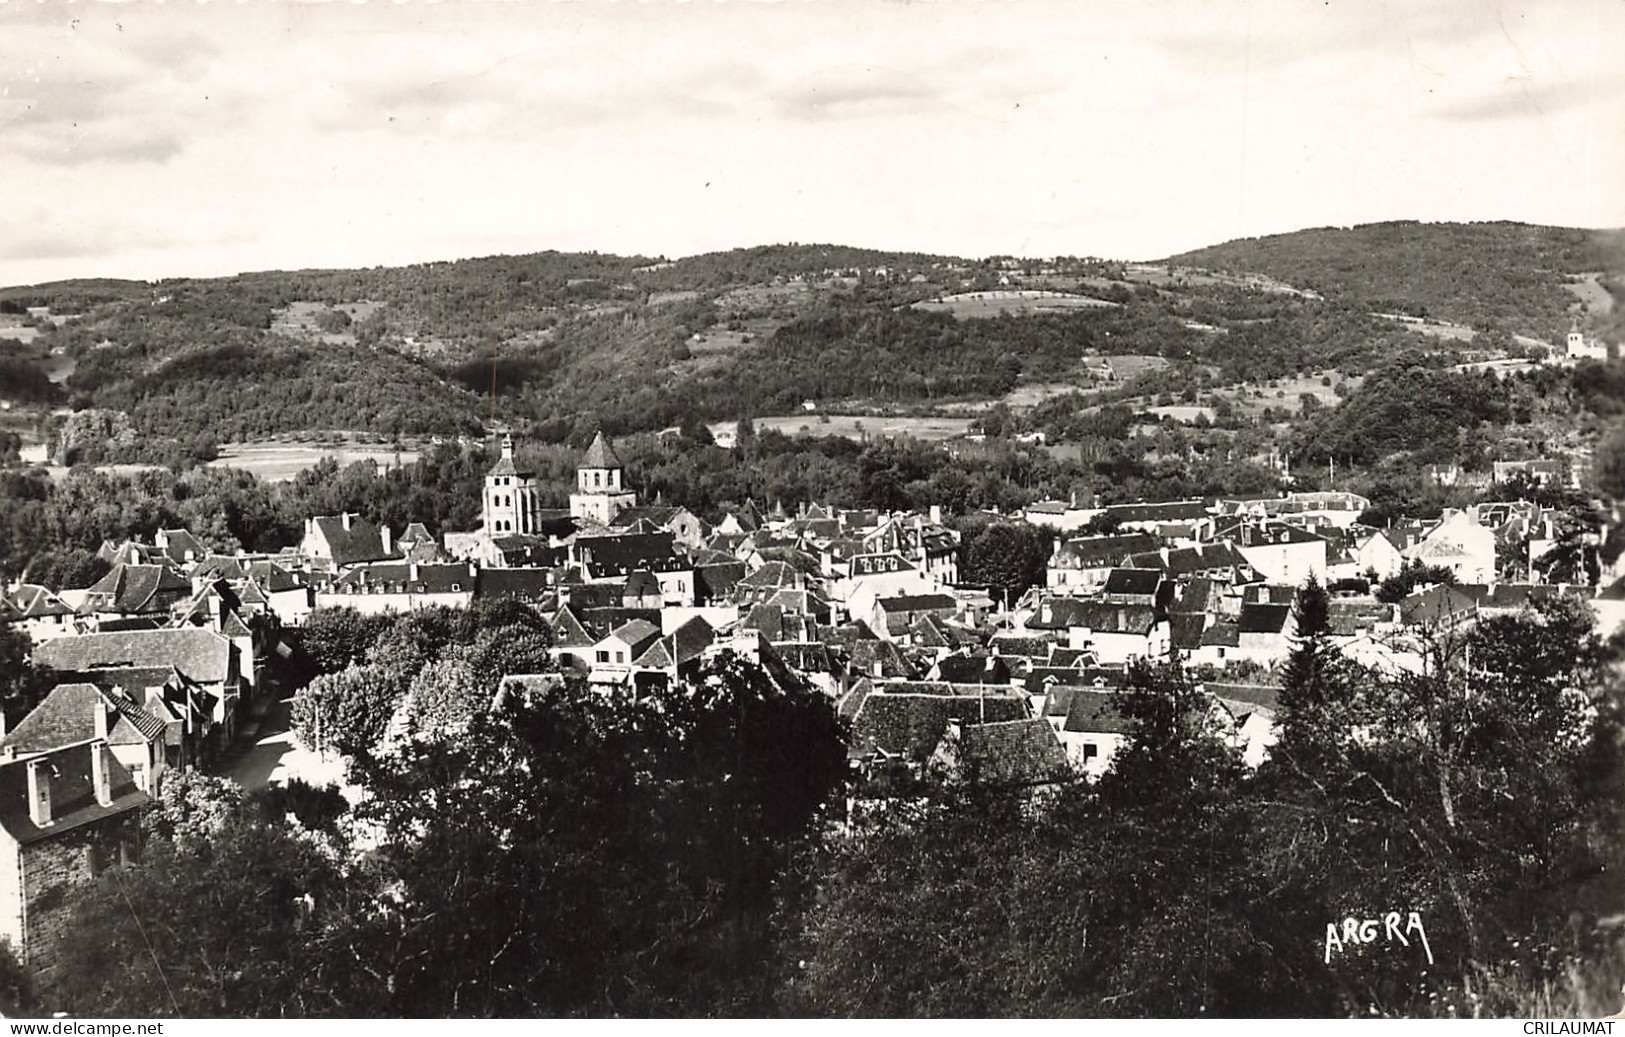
[(154, 140)]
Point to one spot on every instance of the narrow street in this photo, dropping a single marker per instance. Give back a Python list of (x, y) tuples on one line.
[(270, 755)]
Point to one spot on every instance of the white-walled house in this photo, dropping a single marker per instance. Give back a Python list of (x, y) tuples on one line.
[(1282, 553), (1462, 545)]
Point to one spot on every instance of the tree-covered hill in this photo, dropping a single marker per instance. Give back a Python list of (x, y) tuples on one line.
[(1506, 274), (558, 343)]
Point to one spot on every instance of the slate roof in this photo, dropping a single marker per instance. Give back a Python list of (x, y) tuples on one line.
[(636, 632), (73, 793), (202, 655), (1436, 604), (642, 584), (1272, 533)]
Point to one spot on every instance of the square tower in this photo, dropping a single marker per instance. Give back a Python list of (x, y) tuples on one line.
[(600, 494)]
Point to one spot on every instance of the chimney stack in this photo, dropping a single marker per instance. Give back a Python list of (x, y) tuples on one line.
[(344, 518), (100, 713), (383, 535), (39, 791), (101, 772)]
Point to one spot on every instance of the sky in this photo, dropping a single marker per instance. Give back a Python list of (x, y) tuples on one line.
[(154, 140)]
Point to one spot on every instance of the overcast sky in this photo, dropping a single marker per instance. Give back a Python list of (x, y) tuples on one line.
[(139, 140)]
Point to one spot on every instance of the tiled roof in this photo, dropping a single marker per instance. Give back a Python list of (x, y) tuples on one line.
[(1185, 628), (362, 542), (600, 454), (1007, 752), (911, 725), (1133, 581), (201, 655), (73, 793), (137, 590), (570, 632), (1265, 695), (1094, 712), (973, 669), (31, 600), (1163, 511), (1263, 619), (1099, 616), (1101, 551), (407, 577), (918, 603)]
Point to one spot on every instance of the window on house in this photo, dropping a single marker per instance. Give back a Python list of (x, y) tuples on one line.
[(620, 657), (598, 478), (1090, 750), (603, 656)]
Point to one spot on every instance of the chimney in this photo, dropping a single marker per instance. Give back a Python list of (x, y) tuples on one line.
[(412, 572), (101, 775), (344, 518), (936, 514), (39, 791), (383, 535), (879, 668), (100, 712)]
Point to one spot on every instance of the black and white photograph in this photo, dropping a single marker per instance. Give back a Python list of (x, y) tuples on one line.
[(812, 509)]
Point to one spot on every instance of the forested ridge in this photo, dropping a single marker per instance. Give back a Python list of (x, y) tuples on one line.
[(561, 341)]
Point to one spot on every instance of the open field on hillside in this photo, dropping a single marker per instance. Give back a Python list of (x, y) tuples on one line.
[(281, 461), (12, 328), (1458, 332), (969, 305), (1592, 294), (299, 320), (1287, 393)]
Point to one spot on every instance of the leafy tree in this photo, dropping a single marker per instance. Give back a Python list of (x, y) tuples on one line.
[(1008, 557), (1413, 574), (348, 711), (335, 638), (227, 926), (22, 685), (1609, 463)]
